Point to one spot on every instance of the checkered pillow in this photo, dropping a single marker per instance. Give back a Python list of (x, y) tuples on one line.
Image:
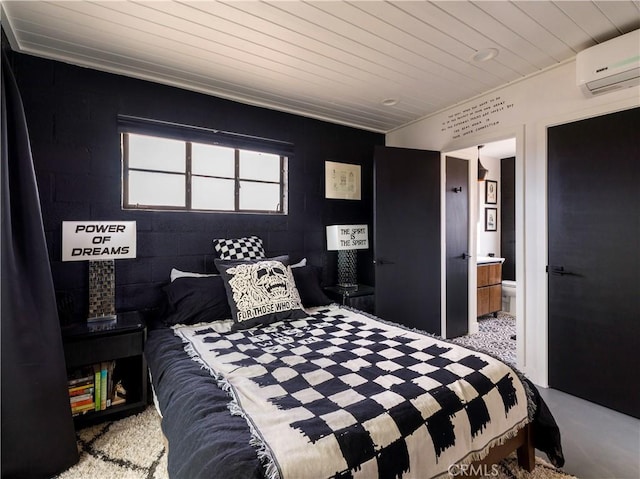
[(239, 248)]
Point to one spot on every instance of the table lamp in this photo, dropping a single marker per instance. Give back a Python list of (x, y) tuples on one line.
[(100, 243), (347, 240)]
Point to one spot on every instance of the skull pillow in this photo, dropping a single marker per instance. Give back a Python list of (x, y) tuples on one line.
[(260, 292)]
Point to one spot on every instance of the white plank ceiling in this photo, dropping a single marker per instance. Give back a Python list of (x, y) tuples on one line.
[(332, 60)]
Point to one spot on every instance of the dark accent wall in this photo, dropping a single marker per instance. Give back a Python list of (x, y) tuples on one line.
[(72, 118), (508, 217)]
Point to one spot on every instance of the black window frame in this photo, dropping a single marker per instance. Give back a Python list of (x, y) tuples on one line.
[(190, 135)]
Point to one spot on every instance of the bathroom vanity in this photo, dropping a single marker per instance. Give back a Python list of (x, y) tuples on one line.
[(489, 285)]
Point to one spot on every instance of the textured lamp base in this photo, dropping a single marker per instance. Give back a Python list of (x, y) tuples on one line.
[(102, 289), (347, 268)]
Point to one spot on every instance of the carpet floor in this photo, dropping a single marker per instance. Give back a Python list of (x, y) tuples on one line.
[(133, 448)]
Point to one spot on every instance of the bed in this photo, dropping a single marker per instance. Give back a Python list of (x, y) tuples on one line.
[(298, 387)]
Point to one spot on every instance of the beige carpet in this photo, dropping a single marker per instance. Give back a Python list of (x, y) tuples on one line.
[(133, 448)]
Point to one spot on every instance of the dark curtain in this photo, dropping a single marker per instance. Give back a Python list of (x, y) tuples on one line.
[(38, 438)]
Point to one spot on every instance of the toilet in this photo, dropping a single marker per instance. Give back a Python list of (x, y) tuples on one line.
[(509, 296)]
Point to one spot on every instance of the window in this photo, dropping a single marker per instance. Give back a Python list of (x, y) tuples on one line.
[(165, 173)]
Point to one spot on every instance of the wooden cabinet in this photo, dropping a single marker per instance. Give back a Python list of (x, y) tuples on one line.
[(489, 288)]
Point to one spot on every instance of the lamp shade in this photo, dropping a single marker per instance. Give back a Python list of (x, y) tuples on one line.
[(347, 237), (98, 240), (482, 171)]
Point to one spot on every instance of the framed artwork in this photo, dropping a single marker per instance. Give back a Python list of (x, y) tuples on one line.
[(342, 181), (491, 219), (491, 192)]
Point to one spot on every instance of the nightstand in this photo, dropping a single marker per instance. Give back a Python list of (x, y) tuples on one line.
[(118, 346), (361, 297)]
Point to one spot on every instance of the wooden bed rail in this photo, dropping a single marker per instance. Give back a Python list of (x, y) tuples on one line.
[(521, 442)]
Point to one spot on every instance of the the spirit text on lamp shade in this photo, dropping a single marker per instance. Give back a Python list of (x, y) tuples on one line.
[(98, 240), (345, 237)]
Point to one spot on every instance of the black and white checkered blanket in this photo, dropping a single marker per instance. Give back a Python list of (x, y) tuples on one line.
[(340, 394)]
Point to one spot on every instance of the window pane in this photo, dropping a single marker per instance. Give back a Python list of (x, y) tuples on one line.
[(154, 153), (212, 160), (212, 194), (259, 166), (259, 196), (158, 168), (157, 189)]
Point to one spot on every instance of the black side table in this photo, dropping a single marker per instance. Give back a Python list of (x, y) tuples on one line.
[(120, 342), (360, 297)]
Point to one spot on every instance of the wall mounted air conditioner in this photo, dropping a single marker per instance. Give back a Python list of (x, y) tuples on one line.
[(609, 66)]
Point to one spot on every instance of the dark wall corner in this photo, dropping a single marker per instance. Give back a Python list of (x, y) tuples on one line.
[(72, 118)]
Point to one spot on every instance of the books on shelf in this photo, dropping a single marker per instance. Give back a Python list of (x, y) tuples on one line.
[(80, 390), (82, 409), (103, 388), (97, 390), (76, 400), (92, 388)]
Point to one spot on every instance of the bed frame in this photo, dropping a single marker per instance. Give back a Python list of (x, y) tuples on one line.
[(522, 442)]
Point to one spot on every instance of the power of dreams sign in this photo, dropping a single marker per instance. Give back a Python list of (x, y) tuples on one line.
[(98, 240)]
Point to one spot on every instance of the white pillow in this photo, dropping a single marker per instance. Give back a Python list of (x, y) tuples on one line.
[(300, 264), (176, 273)]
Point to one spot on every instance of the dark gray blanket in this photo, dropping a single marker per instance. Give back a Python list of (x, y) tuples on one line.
[(205, 440)]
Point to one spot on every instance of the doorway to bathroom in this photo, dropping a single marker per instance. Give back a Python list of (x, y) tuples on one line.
[(492, 218)]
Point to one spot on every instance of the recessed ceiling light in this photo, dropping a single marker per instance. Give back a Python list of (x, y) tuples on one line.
[(390, 101), (485, 54)]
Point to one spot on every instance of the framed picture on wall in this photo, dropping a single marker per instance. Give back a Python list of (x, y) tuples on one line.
[(491, 192), (342, 181), (491, 219)]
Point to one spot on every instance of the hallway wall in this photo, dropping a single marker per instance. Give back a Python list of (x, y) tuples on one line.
[(523, 110)]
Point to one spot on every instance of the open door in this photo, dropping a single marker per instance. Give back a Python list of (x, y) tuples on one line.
[(407, 237), (457, 246)]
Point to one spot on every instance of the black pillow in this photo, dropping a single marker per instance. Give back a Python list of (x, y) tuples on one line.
[(196, 300), (308, 283), (260, 292)]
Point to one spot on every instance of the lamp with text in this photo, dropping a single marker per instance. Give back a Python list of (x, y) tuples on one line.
[(347, 240), (100, 243)]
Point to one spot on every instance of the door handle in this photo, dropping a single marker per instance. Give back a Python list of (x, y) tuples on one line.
[(382, 262), (560, 271), (465, 255)]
